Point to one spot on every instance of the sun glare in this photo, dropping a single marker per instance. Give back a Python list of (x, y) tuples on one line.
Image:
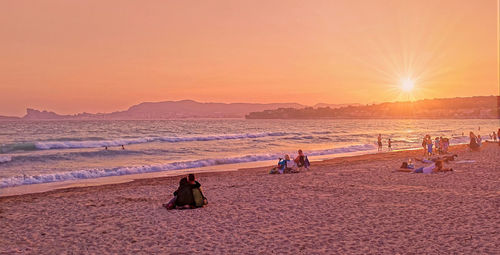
[(407, 85)]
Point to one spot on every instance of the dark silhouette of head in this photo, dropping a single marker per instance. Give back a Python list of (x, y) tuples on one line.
[(191, 177)]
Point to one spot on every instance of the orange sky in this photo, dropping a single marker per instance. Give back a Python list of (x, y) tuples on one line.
[(101, 56)]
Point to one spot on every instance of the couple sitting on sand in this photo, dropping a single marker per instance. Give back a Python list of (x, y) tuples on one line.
[(286, 165), (188, 196)]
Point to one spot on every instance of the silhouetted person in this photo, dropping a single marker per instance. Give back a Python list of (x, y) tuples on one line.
[(379, 142)]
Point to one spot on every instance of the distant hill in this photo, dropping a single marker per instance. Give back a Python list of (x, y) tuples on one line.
[(166, 110), (465, 107)]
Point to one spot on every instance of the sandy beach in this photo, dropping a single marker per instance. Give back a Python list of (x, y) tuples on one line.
[(351, 205)]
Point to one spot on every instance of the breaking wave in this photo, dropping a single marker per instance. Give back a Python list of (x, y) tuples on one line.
[(96, 173)]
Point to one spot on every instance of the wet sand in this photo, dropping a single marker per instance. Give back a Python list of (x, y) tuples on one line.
[(357, 205)]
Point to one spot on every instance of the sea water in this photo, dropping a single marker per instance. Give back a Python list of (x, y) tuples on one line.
[(33, 152)]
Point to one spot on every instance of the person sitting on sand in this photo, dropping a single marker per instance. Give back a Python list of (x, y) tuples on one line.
[(473, 141), (301, 160), (291, 167), (183, 196), (280, 168), (199, 199)]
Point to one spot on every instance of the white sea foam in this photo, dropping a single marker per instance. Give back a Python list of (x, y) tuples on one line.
[(96, 173), (4, 159), (119, 142)]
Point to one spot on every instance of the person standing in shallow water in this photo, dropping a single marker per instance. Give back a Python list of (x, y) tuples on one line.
[(389, 144), (379, 142)]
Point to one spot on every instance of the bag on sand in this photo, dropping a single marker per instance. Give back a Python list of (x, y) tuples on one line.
[(199, 199)]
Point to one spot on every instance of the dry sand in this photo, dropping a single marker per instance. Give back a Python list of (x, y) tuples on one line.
[(346, 205)]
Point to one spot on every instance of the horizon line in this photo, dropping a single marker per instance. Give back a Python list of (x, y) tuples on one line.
[(192, 100)]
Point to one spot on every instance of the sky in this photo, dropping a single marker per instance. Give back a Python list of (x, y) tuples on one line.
[(102, 56)]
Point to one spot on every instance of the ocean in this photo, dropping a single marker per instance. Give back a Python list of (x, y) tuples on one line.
[(33, 152)]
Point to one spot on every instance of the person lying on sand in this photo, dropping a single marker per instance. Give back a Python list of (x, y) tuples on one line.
[(189, 195), (434, 168)]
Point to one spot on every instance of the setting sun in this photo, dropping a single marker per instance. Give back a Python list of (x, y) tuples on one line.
[(407, 85)]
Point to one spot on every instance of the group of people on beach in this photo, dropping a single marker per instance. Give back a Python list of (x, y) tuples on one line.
[(441, 145), (379, 143), (286, 165), (496, 136), (189, 193), (475, 141), (437, 146)]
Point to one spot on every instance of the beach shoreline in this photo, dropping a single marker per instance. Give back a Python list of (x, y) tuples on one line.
[(123, 179), (357, 204)]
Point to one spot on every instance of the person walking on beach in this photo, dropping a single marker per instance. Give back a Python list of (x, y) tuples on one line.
[(494, 136), (389, 144), (379, 142)]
